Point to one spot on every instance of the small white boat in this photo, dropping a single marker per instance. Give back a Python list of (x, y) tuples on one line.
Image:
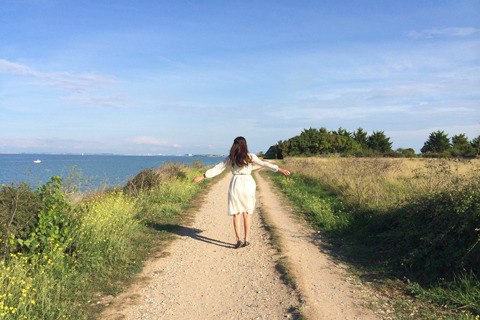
[(37, 161)]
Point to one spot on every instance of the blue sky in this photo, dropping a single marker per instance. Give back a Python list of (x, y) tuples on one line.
[(175, 77)]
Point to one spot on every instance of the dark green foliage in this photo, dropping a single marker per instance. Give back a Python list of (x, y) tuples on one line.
[(271, 153), (342, 132), (361, 138), (437, 142), (19, 208), (313, 142), (409, 152), (281, 150), (54, 221), (379, 142), (439, 146), (459, 140), (475, 143), (393, 154), (461, 147), (433, 237), (146, 179)]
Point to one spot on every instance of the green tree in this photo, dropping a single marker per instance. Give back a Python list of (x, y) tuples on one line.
[(342, 132), (409, 152), (377, 141), (361, 138), (282, 149), (461, 146), (475, 143), (437, 142), (459, 140)]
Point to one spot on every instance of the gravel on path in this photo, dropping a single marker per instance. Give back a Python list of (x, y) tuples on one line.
[(204, 277)]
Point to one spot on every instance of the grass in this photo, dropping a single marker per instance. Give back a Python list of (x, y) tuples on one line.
[(110, 235), (409, 228), (283, 266)]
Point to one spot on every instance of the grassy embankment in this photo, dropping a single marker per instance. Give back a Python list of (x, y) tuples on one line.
[(62, 251), (409, 227)]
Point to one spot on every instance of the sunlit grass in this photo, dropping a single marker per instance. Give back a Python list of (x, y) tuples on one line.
[(381, 182), (399, 220)]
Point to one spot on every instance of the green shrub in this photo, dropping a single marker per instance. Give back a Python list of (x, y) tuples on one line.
[(147, 179), (150, 179), (19, 208), (393, 154), (409, 152), (173, 171), (54, 220), (435, 236)]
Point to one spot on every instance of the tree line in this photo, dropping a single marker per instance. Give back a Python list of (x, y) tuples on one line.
[(315, 142)]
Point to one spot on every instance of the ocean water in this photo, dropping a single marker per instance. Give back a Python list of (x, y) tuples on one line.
[(112, 170)]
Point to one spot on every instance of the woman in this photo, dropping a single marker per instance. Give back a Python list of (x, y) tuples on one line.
[(241, 193)]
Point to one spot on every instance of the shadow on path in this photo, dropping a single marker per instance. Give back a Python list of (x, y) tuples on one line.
[(192, 233)]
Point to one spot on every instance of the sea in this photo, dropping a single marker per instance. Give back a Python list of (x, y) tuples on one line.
[(102, 170)]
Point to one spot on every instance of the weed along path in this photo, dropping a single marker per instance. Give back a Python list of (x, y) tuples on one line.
[(202, 276)]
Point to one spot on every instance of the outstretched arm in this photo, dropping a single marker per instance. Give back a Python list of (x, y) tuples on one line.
[(268, 165), (214, 171), (199, 178), (285, 172)]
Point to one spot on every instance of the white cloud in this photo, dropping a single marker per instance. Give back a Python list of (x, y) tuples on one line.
[(150, 141), (62, 80), (165, 59), (450, 32), (115, 101), (79, 85), (15, 68)]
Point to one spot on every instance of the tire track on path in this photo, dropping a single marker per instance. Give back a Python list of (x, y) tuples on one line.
[(321, 281)]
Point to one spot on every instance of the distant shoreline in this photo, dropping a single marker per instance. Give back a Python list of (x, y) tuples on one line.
[(118, 154)]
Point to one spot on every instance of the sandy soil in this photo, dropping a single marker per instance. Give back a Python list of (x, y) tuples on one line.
[(204, 277)]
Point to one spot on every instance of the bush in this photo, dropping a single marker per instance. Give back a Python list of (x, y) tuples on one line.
[(147, 179), (172, 171), (151, 179), (19, 208), (435, 236), (409, 152), (393, 154)]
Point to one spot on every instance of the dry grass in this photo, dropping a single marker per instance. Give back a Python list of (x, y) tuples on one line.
[(382, 182)]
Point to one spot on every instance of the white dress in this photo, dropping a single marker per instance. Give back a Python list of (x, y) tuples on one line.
[(241, 193)]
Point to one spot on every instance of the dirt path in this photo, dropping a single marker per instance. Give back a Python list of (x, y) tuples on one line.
[(320, 281), (204, 277)]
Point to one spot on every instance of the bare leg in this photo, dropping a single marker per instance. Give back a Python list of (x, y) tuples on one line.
[(247, 223), (237, 224)]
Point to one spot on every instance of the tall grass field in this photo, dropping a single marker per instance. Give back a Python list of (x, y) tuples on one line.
[(61, 250), (411, 226)]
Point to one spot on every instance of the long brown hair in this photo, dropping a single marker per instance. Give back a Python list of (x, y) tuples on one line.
[(239, 152)]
